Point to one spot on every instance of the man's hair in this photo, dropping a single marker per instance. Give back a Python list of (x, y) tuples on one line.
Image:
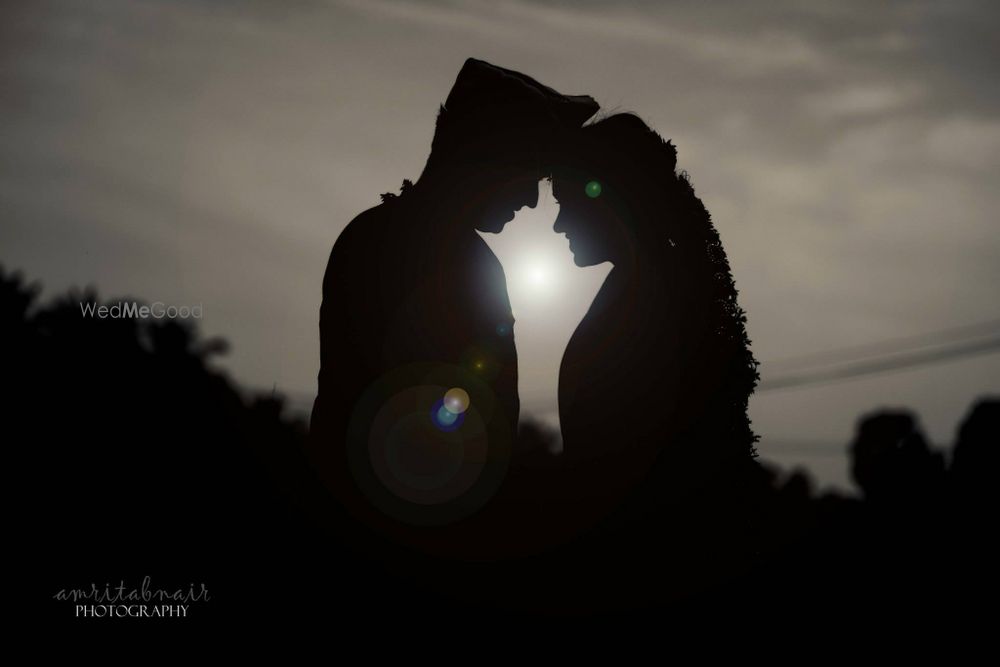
[(469, 139), (498, 115)]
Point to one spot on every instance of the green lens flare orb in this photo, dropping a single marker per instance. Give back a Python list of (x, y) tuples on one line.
[(593, 189)]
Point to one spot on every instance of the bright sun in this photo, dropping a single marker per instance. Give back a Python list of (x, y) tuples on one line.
[(549, 295), (536, 277), (538, 274), (537, 261)]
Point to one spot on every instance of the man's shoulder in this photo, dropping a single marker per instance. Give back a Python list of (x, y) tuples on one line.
[(365, 228), (356, 249), (374, 246)]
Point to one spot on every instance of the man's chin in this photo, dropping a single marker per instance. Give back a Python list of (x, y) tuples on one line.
[(583, 260), (492, 226)]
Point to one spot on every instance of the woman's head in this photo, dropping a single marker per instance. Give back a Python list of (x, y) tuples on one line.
[(612, 180), (622, 200)]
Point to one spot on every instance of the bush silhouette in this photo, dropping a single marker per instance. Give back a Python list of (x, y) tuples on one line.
[(135, 456)]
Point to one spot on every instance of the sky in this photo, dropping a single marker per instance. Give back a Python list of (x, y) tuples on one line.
[(210, 153)]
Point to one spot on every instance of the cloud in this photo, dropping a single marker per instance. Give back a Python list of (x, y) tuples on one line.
[(863, 100), (748, 53), (966, 142)]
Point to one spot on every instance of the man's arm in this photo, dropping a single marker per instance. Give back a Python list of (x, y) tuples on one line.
[(347, 333)]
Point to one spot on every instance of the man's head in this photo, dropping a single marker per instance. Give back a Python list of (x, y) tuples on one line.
[(490, 137)]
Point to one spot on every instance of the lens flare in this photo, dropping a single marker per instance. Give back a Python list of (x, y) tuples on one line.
[(444, 419), (415, 459), (593, 189), (456, 400)]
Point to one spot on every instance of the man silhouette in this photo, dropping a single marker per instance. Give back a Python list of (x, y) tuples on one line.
[(417, 405)]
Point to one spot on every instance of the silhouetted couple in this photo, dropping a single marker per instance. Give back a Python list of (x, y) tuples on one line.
[(415, 426)]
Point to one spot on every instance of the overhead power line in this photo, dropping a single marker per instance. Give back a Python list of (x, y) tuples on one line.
[(857, 361), (914, 342), (884, 364)]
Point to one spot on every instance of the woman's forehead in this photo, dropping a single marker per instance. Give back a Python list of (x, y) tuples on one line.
[(559, 181), (566, 175), (566, 185)]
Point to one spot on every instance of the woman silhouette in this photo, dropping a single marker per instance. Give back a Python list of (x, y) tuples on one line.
[(654, 384)]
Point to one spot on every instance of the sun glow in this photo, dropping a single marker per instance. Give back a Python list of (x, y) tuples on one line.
[(548, 294), (539, 273)]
